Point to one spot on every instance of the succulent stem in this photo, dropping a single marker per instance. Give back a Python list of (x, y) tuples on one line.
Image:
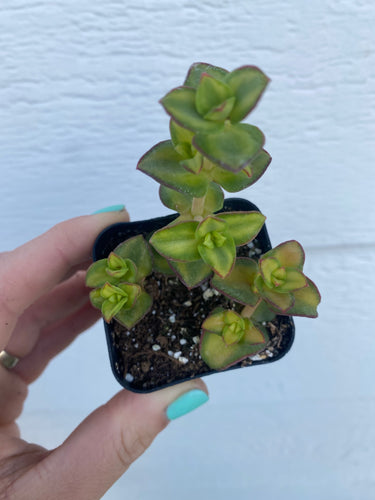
[(198, 206), (248, 310)]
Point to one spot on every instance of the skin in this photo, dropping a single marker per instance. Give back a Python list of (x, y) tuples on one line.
[(44, 305)]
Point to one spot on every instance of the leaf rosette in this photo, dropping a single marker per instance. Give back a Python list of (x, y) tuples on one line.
[(282, 283), (117, 282), (227, 338), (211, 104), (194, 248)]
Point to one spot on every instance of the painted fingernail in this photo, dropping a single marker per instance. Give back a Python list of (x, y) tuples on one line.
[(112, 208), (186, 403)]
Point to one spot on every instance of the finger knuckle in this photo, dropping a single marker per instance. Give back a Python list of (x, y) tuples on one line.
[(131, 445)]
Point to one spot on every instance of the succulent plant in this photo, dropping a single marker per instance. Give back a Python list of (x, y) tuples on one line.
[(117, 282), (209, 150)]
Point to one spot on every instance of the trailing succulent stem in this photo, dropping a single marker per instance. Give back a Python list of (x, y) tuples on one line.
[(209, 150)]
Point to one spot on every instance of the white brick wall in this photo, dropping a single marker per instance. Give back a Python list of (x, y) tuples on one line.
[(79, 87)]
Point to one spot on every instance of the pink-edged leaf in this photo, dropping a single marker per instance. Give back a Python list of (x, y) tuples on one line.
[(197, 69), (267, 266), (294, 280), (280, 301), (129, 317), (234, 182), (243, 226), (177, 242), (306, 301), (248, 84), (96, 274), (218, 355), (220, 112), (212, 93), (162, 163), (289, 254), (220, 259), (209, 224), (96, 298), (231, 148), (179, 103), (191, 274), (138, 251), (160, 264), (175, 200), (180, 135), (194, 164), (238, 284), (215, 321)]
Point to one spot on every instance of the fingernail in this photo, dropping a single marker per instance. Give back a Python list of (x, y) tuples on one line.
[(186, 403), (112, 208)]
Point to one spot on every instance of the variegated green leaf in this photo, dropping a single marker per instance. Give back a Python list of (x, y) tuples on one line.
[(162, 163), (117, 297), (238, 284), (177, 242), (243, 226), (179, 103), (130, 317), (263, 312), (174, 200), (292, 281), (192, 274), (138, 251), (212, 94), (96, 274), (248, 84), (232, 148), (218, 355), (197, 69), (113, 269), (220, 258), (194, 164), (96, 298), (209, 224), (180, 135), (282, 302), (306, 301), (160, 263), (288, 254), (234, 182)]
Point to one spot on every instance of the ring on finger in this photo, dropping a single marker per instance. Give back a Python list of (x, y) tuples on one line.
[(8, 360)]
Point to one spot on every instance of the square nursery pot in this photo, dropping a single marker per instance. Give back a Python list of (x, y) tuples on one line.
[(163, 348)]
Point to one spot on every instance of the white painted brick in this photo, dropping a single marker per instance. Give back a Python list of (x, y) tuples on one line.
[(80, 82)]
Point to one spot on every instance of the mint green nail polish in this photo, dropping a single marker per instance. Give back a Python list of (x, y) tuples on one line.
[(112, 208), (186, 403)]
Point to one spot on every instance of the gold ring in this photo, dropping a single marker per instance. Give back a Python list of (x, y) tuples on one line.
[(8, 360)]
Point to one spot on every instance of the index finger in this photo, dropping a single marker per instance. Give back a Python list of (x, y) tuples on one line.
[(31, 270)]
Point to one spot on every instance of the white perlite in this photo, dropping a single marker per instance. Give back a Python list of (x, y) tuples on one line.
[(207, 294), (156, 347), (196, 339), (172, 318), (129, 377), (183, 341), (183, 360), (177, 354)]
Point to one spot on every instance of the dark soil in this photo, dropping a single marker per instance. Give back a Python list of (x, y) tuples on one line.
[(164, 347)]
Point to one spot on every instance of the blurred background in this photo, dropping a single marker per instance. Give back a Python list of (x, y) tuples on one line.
[(80, 82)]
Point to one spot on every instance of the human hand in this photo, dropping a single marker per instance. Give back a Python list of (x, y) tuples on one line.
[(44, 305)]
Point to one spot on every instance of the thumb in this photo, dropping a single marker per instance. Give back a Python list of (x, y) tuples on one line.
[(102, 448)]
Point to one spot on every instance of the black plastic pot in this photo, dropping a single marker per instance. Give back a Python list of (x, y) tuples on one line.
[(116, 234)]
